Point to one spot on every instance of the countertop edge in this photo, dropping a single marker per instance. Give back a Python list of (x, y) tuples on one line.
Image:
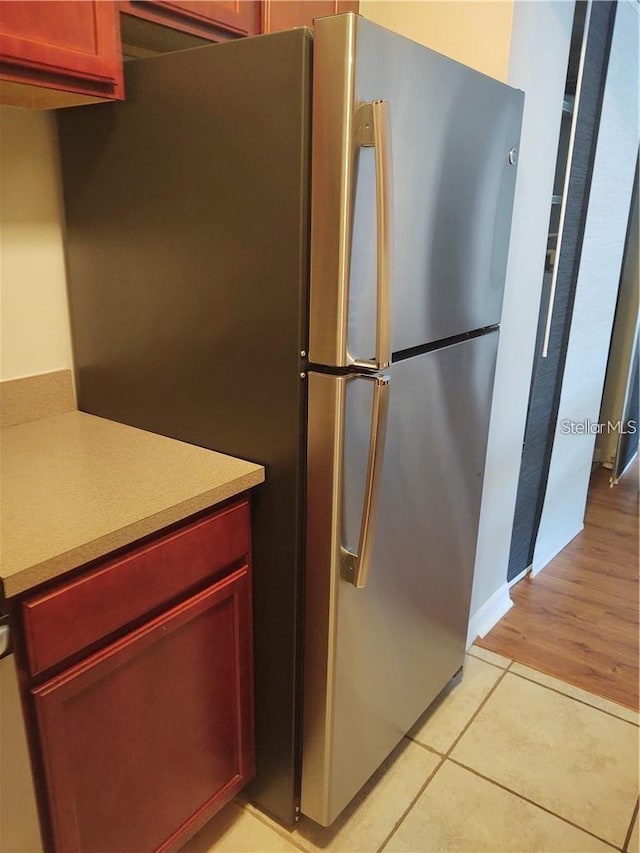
[(57, 566)]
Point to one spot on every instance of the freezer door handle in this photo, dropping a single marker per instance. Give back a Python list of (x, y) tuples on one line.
[(356, 566), (373, 129)]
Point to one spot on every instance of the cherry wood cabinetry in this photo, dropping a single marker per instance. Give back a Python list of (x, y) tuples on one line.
[(74, 615), (144, 740), (138, 677), (222, 20), (65, 52), (285, 14), (214, 20), (69, 52)]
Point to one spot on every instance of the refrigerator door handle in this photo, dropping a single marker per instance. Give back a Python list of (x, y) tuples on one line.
[(356, 566), (373, 129)]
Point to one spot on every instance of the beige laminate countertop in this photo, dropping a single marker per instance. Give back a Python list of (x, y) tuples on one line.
[(76, 487)]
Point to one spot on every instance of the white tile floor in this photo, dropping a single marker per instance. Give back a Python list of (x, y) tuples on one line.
[(508, 760)]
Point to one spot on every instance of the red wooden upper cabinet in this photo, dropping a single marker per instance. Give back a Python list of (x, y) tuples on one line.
[(213, 20), (59, 54)]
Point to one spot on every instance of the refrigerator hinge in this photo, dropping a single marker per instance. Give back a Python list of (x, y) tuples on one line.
[(348, 567), (364, 130)]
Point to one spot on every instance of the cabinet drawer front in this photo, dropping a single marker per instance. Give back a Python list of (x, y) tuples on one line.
[(144, 740), (76, 614)]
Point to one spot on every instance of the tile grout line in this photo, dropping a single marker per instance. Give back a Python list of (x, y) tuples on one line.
[(634, 817), (498, 784), (440, 755), (412, 803), (445, 754), (483, 702), (531, 802), (556, 690), (491, 663), (444, 757), (441, 698), (427, 748), (574, 698)]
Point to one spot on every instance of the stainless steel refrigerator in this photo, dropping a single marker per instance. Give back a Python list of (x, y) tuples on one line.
[(292, 248)]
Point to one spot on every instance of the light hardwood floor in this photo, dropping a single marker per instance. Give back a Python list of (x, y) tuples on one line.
[(578, 619)]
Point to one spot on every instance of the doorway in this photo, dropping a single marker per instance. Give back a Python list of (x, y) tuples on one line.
[(586, 76)]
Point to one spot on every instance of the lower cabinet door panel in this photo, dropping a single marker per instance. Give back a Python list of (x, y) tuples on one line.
[(143, 741)]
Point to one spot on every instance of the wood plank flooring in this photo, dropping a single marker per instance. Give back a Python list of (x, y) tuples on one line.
[(578, 619)]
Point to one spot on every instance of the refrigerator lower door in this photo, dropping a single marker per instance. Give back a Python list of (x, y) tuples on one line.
[(413, 176), (377, 656)]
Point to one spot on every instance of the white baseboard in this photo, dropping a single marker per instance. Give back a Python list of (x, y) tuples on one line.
[(491, 612), (539, 564)]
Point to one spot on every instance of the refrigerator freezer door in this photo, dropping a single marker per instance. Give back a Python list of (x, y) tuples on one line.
[(376, 657), (452, 135)]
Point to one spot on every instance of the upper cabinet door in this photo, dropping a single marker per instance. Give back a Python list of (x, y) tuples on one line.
[(209, 19), (237, 15), (72, 45), (286, 14)]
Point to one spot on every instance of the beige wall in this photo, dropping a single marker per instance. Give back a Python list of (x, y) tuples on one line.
[(623, 341), (34, 318), (476, 32)]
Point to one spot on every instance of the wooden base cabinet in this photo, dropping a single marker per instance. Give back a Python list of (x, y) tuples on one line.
[(144, 735), (145, 739)]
